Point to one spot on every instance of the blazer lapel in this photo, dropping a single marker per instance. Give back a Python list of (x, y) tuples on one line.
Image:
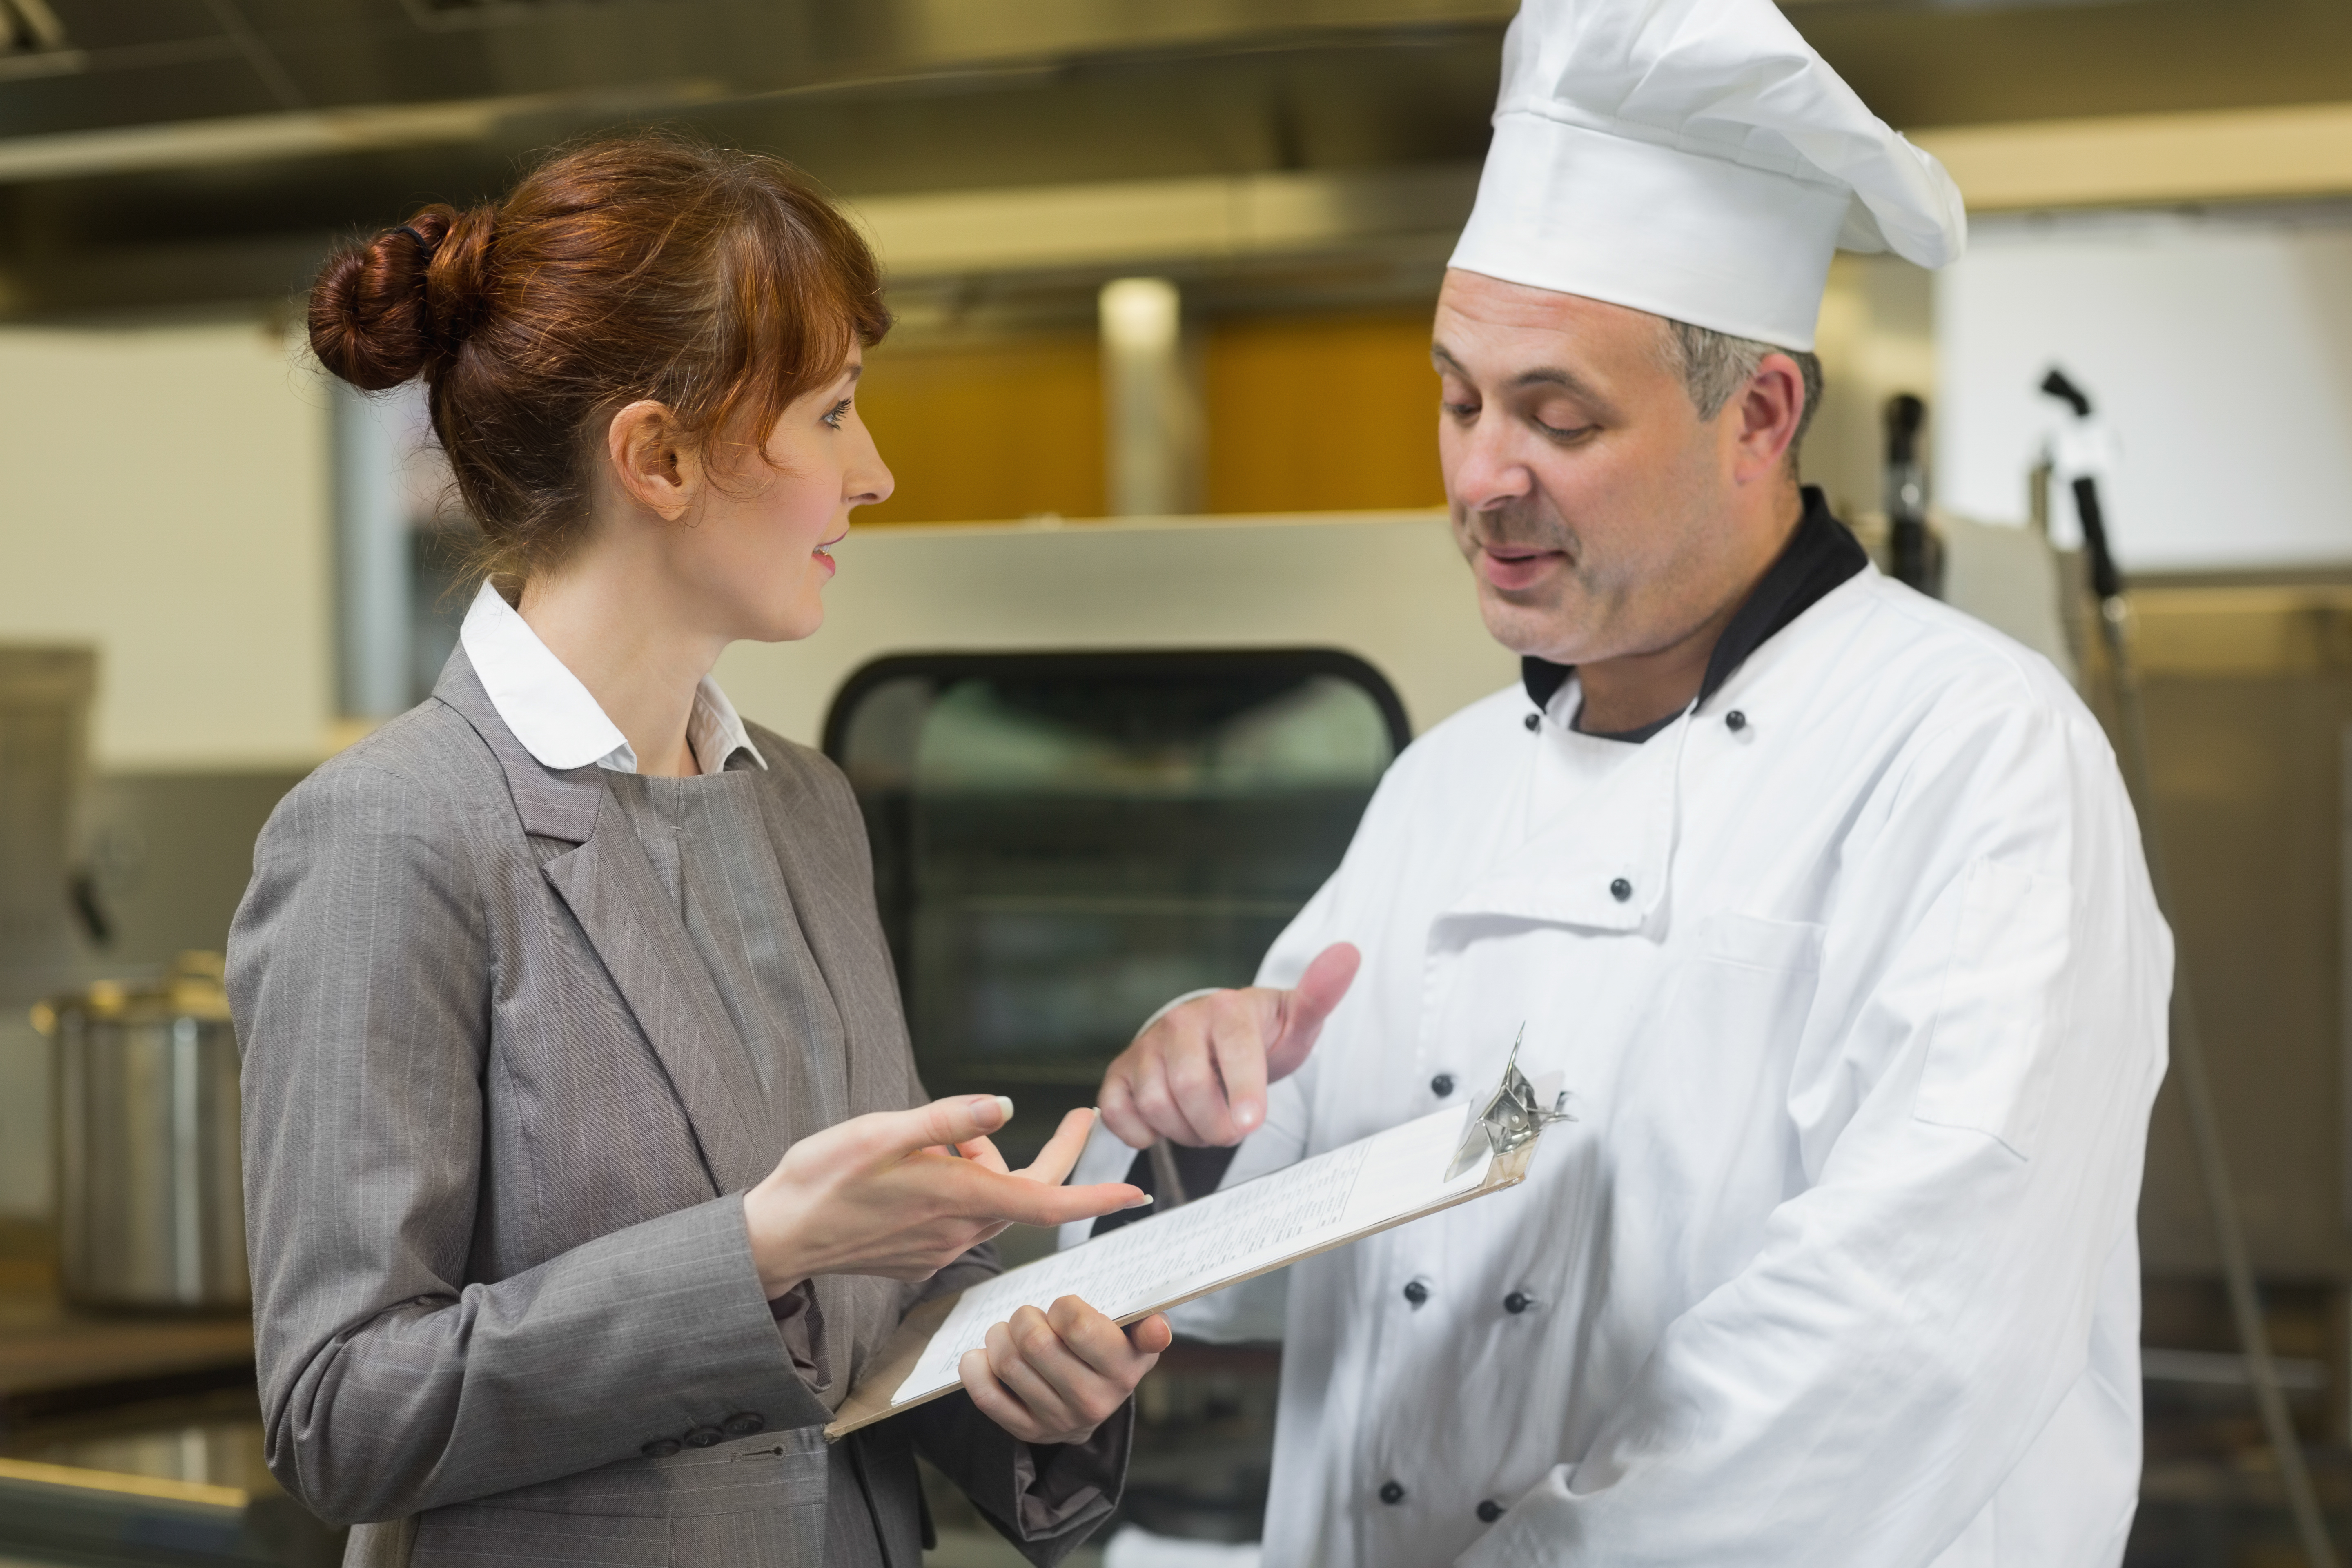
[(612, 891)]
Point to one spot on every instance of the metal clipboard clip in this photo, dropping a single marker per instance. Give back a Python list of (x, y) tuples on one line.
[(1513, 1117)]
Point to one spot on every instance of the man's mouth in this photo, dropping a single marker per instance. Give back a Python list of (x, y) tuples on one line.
[(1513, 567)]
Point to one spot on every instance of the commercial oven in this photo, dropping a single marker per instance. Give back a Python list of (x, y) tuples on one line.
[(1063, 840)]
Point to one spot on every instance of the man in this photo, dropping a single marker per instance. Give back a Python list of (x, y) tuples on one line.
[(1825, 901)]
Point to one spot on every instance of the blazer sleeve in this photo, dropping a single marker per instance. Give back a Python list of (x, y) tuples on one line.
[(361, 969)]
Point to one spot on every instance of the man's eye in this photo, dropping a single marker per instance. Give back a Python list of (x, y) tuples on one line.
[(1458, 410), (1561, 433)]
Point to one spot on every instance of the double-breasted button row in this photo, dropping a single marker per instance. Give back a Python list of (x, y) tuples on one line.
[(1416, 1293), (742, 1424), (1392, 1493)]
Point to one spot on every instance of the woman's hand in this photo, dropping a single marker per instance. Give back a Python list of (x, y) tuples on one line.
[(885, 1194), (1054, 1376)]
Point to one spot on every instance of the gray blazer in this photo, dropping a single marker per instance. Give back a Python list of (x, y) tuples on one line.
[(498, 1125)]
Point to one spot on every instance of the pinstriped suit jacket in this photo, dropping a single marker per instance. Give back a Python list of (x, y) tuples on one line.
[(498, 1124)]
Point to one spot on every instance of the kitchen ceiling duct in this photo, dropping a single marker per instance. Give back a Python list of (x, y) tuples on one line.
[(176, 151)]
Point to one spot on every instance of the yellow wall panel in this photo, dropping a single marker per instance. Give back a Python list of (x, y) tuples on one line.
[(987, 431), (1322, 414)]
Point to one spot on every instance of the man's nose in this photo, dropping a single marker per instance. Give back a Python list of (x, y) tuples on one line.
[(1487, 473)]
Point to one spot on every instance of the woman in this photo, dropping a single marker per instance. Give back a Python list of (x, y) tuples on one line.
[(538, 981)]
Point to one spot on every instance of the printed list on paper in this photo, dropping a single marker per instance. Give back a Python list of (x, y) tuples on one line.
[(1216, 1239)]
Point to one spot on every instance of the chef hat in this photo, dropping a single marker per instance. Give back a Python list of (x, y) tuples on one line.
[(1695, 159)]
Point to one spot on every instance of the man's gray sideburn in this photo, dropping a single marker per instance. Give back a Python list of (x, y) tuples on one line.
[(1713, 366)]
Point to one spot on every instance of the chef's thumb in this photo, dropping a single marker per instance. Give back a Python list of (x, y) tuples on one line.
[(1307, 1004)]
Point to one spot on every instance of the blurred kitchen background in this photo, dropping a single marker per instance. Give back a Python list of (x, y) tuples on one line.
[(1162, 589)]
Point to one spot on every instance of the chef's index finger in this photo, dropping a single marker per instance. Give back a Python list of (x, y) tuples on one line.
[(1237, 1044)]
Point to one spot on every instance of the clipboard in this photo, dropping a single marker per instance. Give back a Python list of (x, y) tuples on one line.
[(1389, 1179)]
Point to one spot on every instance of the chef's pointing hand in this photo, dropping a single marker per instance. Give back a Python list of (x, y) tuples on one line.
[(1198, 1076), (903, 1194)]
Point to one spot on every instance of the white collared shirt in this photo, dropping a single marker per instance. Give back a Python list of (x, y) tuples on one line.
[(553, 715)]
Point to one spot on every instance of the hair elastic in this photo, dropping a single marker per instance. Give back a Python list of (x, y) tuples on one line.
[(423, 243)]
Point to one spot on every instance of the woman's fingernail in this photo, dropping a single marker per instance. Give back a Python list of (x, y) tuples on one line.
[(1003, 1106), (1140, 1199)]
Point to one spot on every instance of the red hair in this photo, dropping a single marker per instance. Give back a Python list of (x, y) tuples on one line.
[(718, 283)]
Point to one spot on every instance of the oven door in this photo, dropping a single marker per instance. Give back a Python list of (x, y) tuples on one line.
[(1063, 841)]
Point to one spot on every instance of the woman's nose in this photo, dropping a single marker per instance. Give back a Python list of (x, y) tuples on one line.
[(869, 478)]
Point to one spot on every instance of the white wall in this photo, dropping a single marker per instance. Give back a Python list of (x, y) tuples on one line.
[(2218, 349), (1875, 338), (165, 495)]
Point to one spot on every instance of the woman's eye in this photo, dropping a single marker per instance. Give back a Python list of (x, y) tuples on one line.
[(839, 411)]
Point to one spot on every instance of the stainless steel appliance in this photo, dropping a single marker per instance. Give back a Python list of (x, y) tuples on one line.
[(149, 1210)]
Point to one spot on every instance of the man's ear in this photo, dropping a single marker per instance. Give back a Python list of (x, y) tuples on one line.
[(652, 465), (1766, 415)]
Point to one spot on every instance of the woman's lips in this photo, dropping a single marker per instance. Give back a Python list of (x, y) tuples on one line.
[(1513, 570), (825, 563)]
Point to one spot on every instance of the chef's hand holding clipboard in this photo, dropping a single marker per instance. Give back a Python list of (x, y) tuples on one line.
[(904, 1193)]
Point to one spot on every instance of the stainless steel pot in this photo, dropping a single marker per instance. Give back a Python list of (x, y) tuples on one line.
[(150, 1213)]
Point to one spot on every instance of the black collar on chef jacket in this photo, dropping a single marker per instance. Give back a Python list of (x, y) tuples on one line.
[(1821, 553)]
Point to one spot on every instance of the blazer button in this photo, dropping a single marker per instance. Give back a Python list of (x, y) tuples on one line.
[(1442, 1085), (1518, 1302), (661, 1448), (1416, 1292), (1489, 1512), (1621, 890), (703, 1436), (742, 1424), (1391, 1493)]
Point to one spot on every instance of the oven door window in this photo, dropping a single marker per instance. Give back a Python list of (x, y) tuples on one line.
[(1062, 842)]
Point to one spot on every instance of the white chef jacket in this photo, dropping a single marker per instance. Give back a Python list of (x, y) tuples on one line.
[(1856, 982)]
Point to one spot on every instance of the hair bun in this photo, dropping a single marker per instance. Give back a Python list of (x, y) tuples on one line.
[(384, 312)]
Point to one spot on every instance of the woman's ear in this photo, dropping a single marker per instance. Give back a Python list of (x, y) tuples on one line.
[(653, 467)]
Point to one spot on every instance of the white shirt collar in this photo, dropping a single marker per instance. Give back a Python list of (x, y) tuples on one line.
[(553, 715)]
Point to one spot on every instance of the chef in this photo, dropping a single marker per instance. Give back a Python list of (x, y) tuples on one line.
[(1825, 902)]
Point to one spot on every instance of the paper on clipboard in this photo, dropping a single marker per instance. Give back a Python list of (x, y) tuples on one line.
[(1217, 1240)]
